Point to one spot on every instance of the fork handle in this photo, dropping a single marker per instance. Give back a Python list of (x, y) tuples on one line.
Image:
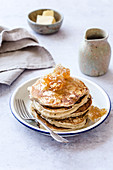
[(43, 124), (52, 133)]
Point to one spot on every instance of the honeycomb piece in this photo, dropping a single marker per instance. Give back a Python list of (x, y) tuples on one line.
[(56, 80), (62, 71), (95, 113)]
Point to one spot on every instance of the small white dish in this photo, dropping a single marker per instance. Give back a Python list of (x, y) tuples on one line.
[(100, 99)]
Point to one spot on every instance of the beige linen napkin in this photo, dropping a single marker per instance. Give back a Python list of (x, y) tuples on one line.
[(19, 50)]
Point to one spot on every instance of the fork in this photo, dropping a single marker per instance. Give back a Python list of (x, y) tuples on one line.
[(22, 110)]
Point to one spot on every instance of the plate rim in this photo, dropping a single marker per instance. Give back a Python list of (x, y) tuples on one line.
[(67, 134)]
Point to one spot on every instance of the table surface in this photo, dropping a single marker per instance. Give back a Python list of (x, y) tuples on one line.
[(23, 148)]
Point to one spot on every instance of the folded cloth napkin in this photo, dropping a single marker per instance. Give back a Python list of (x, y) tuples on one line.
[(19, 50)]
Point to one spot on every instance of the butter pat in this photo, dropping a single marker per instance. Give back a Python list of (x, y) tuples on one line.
[(48, 13), (45, 20)]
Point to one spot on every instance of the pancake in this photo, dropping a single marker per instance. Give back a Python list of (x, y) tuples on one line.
[(61, 125), (72, 123), (61, 113), (67, 96), (60, 101)]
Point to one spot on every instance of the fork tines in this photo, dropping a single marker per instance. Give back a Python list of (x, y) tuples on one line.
[(22, 110)]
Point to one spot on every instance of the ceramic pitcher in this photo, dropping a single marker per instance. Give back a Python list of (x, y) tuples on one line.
[(94, 53)]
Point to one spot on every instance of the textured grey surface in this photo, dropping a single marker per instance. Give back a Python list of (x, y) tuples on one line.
[(23, 148)]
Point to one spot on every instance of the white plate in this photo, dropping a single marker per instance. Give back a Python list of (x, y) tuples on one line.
[(100, 99)]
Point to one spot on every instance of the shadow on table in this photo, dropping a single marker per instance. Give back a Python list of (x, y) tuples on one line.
[(92, 139), (105, 79), (85, 141), (59, 36)]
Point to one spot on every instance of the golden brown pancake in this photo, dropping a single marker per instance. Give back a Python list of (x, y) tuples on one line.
[(62, 125), (62, 102), (61, 113), (67, 96)]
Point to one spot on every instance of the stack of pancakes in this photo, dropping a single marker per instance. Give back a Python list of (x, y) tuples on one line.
[(63, 109)]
